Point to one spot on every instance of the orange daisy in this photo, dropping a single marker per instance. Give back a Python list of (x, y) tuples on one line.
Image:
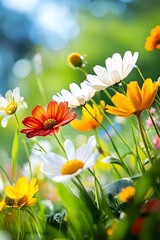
[(153, 41), (43, 123), (135, 101)]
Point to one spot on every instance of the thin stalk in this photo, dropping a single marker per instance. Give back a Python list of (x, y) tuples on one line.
[(115, 148), (25, 146), (138, 157), (140, 73), (60, 143), (110, 122), (143, 137), (5, 174), (41, 89), (155, 126)]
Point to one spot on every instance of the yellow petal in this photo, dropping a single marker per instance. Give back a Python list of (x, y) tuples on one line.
[(33, 188), (22, 186), (11, 192), (31, 202)]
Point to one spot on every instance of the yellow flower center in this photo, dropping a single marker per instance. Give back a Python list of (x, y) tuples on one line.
[(71, 167), (49, 123), (11, 108)]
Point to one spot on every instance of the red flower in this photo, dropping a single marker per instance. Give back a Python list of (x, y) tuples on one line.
[(43, 123)]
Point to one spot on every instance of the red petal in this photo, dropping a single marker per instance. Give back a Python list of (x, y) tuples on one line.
[(39, 113), (32, 122)]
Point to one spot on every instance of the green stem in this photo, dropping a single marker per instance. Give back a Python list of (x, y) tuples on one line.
[(155, 126), (41, 89), (110, 122), (115, 148), (5, 174), (143, 137), (140, 73), (60, 143), (138, 157)]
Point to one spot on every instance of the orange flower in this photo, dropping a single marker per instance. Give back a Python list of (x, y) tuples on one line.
[(43, 123), (135, 101), (87, 122), (153, 41), (127, 194)]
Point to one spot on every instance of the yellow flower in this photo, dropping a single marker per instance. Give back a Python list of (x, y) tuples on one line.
[(22, 194), (88, 122), (153, 41), (135, 101), (75, 59), (127, 194)]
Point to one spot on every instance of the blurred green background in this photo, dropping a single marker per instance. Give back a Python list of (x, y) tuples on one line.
[(94, 28)]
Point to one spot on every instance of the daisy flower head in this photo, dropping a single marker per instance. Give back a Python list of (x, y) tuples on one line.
[(115, 71), (91, 117), (153, 41), (135, 101), (77, 96), (43, 123), (9, 105), (61, 169), (22, 194)]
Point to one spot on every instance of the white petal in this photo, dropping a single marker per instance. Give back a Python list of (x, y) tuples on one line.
[(70, 149), (16, 94), (5, 121), (75, 89), (86, 150), (3, 102), (116, 76), (92, 160)]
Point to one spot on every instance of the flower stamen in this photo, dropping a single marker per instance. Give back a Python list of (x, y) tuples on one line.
[(71, 167), (11, 108), (49, 123)]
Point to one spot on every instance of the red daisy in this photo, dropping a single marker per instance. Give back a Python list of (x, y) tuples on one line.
[(43, 123)]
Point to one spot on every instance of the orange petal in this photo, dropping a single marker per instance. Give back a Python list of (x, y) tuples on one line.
[(121, 101), (39, 114), (52, 109), (134, 94), (149, 91), (118, 111)]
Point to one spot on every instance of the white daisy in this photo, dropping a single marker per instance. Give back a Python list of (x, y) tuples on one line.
[(78, 96), (11, 104), (115, 71), (60, 169)]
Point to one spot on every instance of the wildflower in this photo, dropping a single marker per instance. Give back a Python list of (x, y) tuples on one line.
[(78, 96), (22, 194), (153, 41), (89, 117), (60, 169), (116, 70), (127, 194), (136, 99), (10, 105), (75, 60), (43, 123), (156, 142)]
